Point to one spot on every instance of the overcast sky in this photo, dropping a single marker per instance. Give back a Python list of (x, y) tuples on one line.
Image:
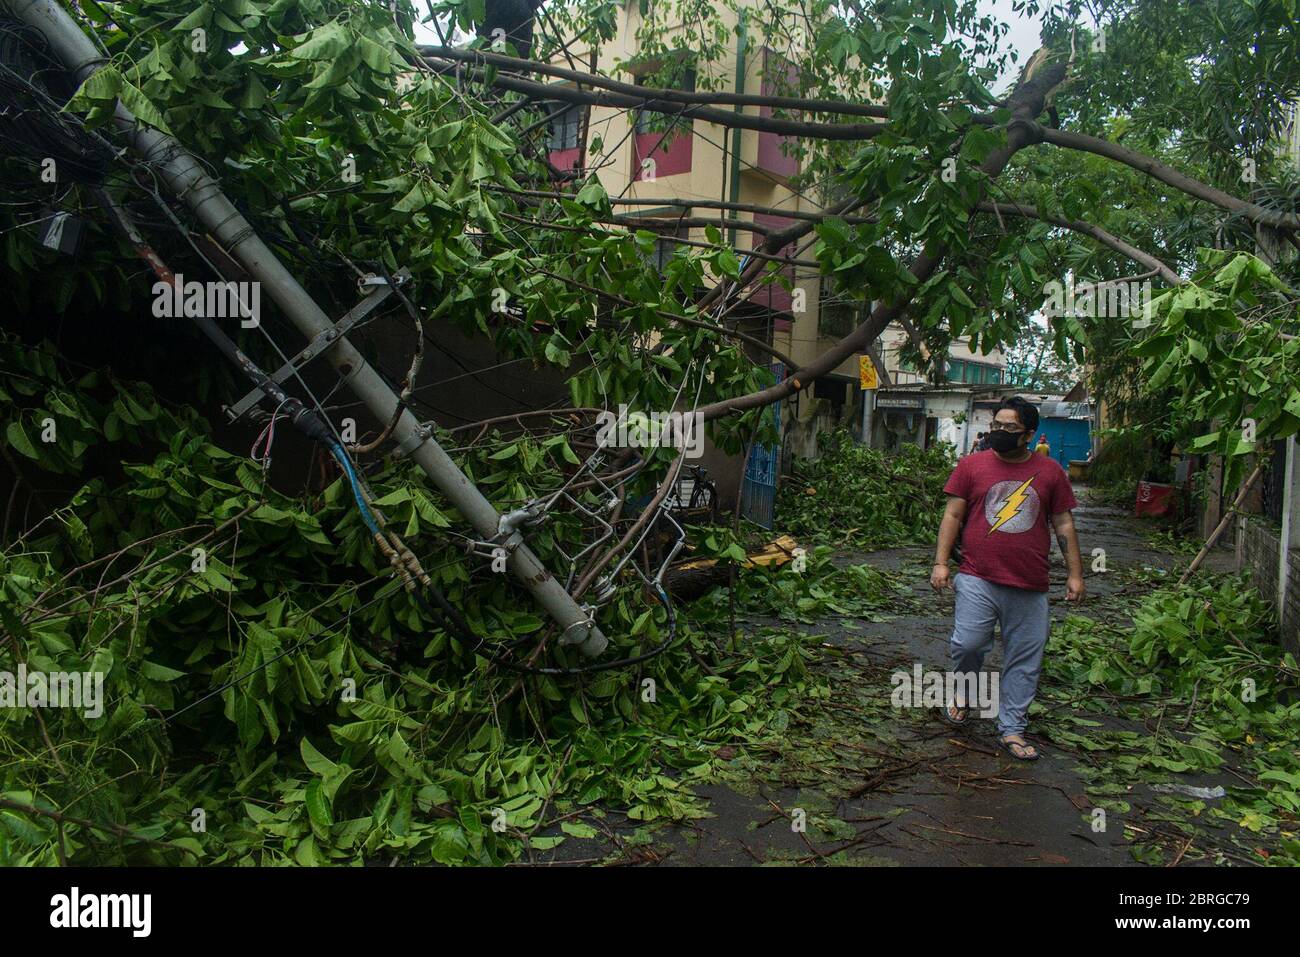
[(1023, 36)]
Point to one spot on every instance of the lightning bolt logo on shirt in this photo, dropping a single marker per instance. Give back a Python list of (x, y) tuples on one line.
[(1012, 506)]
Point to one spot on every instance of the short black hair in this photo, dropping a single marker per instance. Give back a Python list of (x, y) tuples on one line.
[(1026, 413)]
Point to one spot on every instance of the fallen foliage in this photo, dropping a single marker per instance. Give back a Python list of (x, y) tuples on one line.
[(864, 497)]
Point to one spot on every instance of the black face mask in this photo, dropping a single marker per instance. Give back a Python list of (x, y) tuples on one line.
[(1004, 442)]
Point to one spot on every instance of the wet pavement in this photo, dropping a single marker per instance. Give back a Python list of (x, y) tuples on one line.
[(860, 782)]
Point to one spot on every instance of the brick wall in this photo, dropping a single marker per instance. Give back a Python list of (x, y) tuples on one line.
[(1258, 552)]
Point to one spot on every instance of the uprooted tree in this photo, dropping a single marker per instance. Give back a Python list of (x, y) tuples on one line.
[(259, 654)]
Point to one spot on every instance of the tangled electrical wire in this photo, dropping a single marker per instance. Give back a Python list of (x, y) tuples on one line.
[(609, 497), (37, 127), (29, 130)]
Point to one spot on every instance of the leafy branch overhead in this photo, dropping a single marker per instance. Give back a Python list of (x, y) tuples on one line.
[(287, 94)]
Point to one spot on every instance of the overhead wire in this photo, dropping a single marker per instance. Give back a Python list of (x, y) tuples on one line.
[(328, 435)]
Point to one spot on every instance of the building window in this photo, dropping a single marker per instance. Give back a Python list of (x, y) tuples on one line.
[(663, 254), (838, 313), (665, 246), (831, 390), (565, 128), (973, 373), (682, 79)]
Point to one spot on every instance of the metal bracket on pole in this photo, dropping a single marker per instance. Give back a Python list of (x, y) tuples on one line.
[(417, 438), (323, 340), (509, 534)]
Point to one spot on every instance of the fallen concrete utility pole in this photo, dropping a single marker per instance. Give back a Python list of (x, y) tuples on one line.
[(190, 183)]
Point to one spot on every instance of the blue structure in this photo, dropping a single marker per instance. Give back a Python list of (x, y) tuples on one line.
[(1068, 427), (758, 488)]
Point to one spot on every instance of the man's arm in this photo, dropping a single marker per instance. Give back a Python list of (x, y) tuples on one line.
[(954, 516), (1068, 538)]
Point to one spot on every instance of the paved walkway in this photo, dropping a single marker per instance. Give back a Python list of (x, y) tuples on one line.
[(879, 786)]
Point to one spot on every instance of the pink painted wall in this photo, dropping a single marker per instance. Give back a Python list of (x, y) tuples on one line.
[(670, 157), (770, 158), (563, 160)]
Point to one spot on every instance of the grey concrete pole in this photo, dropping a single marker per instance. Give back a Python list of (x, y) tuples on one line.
[(189, 182)]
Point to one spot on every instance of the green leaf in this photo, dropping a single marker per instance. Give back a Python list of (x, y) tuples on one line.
[(328, 42), (593, 194), (318, 808), (316, 762), (102, 86), (578, 829), (141, 106), (726, 263), (18, 440), (157, 672)]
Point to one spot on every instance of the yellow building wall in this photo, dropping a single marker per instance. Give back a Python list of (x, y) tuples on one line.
[(712, 178)]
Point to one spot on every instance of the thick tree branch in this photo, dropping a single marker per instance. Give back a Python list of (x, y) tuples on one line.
[(697, 97), (632, 219), (1157, 266), (693, 203), (679, 101), (1171, 177), (1026, 102), (726, 118)]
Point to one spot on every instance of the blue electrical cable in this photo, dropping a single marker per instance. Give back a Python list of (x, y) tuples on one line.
[(350, 472)]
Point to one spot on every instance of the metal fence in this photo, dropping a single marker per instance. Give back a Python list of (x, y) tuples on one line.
[(1274, 479)]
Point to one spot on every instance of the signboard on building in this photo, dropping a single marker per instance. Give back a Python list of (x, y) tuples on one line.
[(867, 373), (905, 403)]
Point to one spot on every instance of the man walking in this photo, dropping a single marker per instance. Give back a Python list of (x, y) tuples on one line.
[(999, 501)]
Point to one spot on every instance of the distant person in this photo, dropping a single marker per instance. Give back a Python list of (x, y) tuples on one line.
[(1042, 448), (1001, 503), (982, 442)]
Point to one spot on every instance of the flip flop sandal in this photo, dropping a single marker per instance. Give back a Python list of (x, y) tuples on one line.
[(1010, 746), (962, 709)]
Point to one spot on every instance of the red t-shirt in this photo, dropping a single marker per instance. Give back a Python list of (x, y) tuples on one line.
[(1006, 539)]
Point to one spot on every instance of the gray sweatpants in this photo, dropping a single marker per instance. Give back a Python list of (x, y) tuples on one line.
[(1023, 617)]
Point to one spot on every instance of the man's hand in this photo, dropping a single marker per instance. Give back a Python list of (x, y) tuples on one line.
[(954, 516), (1069, 540)]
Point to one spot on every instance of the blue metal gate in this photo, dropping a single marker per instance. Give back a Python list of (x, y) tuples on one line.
[(1068, 438), (758, 488)]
